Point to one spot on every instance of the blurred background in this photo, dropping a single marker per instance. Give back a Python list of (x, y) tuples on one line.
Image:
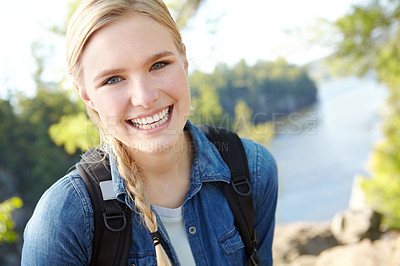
[(316, 82)]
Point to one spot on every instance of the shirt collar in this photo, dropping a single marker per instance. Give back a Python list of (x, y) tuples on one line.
[(208, 166), (119, 183)]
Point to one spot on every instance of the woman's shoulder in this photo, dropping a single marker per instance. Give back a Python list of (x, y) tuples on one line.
[(68, 192), (63, 217), (263, 168), (65, 201), (259, 158)]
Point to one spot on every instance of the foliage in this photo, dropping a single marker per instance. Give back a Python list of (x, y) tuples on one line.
[(268, 87), (183, 10), (261, 133), (370, 42), (41, 162), (62, 29), (74, 132), (383, 189), (6, 222), (206, 108), (9, 130), (28, 153)]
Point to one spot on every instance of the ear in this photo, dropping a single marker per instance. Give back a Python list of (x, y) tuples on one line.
[(84, 96), (185, 61)]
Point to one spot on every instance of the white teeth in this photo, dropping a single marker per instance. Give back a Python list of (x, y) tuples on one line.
[(152, 121)]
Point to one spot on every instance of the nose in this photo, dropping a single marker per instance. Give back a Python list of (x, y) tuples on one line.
[(144, 93)]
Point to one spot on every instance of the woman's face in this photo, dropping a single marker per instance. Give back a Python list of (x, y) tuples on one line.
[(136, 79)]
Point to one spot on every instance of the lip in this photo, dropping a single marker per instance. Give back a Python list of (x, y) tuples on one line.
[(156, 129), (150, 113)]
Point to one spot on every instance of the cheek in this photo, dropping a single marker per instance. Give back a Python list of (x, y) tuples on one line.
[(109, 106), (178, 88)]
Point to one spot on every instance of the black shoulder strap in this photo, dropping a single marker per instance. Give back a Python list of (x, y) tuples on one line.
[(112, 219), (238, 192)]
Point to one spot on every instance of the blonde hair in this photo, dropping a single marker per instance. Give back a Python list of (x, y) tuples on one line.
[(91, 16)]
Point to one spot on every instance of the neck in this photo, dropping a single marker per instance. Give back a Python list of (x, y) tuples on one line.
[(167, 173), (164, 163)]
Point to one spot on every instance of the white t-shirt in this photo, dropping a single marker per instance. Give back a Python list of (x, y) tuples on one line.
[(173, 222)]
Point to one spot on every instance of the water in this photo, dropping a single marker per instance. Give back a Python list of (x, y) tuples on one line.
[(321, 149)]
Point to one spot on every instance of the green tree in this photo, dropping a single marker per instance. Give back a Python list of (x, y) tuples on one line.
[(206, 108), (243, 125), (6, 223), (8, 136), (267, 87), (40, 161), (75, 132), (371, 42)]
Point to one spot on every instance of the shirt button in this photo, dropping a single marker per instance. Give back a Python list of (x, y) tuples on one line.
[(192, 230)]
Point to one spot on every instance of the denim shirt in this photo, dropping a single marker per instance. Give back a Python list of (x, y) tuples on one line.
[(60, 231)]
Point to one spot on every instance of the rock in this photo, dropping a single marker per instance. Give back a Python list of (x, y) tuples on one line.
[(350, 226), (366, 253), (352, 238), (359, 221), (304, 260), (296, 239)]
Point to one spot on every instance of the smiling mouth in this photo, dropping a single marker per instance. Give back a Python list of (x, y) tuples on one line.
[(153, 121)]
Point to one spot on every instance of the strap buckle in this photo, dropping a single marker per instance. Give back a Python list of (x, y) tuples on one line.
[(254, 258), (108, 218), (241, 185)]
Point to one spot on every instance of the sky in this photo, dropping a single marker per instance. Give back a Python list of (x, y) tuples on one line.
[(260, 29), (222, 31)]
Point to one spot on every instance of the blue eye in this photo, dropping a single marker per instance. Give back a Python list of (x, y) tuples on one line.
[(112, 80), (158, 65)]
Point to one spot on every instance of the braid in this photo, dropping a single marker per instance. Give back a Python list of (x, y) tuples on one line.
[(135, 186)]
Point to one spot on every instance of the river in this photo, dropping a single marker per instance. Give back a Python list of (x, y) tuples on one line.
[(319, 150)]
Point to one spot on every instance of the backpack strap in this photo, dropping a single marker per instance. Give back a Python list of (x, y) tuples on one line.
[(238, 192), (112, 219)]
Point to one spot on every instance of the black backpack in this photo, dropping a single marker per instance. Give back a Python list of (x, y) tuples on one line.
[(112, 230)]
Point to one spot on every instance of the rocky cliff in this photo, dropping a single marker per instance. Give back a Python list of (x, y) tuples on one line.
[(352, 238)]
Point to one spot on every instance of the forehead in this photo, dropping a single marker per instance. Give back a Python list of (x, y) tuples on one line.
[(133, 33)]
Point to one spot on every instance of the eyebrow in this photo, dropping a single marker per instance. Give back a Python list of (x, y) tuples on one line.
[(150, 60), (158, 56)]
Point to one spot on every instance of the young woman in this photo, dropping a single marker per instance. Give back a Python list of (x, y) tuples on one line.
[(129, 66)]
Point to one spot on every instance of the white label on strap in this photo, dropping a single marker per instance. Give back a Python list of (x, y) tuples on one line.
[(107, 189)]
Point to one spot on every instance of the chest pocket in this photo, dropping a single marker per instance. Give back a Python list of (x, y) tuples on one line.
[(233, 246)]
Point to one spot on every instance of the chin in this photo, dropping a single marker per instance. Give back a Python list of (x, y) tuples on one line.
[(154, 146)]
